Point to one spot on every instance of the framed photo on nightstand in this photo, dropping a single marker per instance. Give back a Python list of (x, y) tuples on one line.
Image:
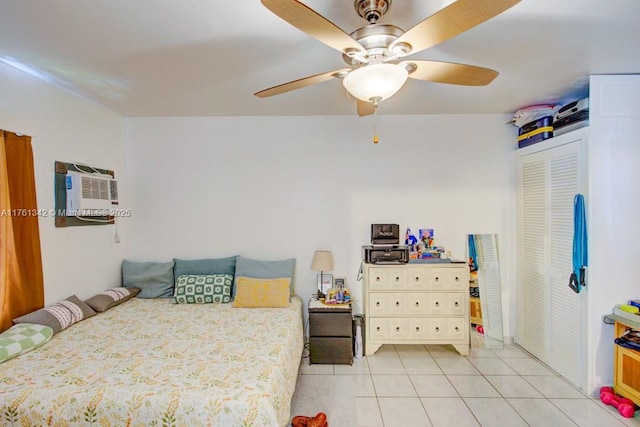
[(340, 282), (325, 282)]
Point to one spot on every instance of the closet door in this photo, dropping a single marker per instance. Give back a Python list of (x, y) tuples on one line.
[(551, 316)]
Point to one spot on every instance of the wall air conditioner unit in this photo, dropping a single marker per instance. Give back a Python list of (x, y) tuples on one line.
[(90, 194)]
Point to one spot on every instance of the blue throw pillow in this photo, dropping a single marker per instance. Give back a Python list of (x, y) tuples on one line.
[(204, 266), (155, 279), (254, 268)]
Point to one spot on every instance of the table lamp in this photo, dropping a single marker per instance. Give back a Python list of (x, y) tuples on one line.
[(322, 261)]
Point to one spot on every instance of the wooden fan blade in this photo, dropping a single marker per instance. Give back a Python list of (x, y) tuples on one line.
[(300, 83), (311, 22), (458, 17), (451, 73), (365, 108)]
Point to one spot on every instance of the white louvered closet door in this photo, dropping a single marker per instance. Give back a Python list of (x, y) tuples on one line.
[(489, 285), (551, 316)]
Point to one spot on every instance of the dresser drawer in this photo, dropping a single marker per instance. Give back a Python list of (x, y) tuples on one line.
[(398, 303), (328, 324), (446, 279), (447, 328), (331, 350), (399, 329), (377, 328), (446, 303), (387, 279)]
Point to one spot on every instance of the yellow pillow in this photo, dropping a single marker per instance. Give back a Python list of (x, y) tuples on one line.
[(254, 293)]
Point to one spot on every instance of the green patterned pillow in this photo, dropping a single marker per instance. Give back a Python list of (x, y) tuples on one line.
[(203, 289), (22, 338)]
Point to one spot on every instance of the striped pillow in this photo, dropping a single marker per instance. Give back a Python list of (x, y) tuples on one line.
[(111, 297), (60, 315)]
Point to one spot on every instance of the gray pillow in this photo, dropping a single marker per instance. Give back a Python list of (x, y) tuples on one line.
[(204, 266), (155, 279), (60, 315), (258, 269)]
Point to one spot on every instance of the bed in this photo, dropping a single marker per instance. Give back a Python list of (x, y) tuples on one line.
[(151, 362)]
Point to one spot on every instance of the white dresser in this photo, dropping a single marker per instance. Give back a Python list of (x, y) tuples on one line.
[(416, 304)]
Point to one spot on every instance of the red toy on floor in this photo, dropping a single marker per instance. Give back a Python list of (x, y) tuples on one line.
[(320, 420), (624, 406)]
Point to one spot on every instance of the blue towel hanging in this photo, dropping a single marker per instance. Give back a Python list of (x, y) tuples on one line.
[(473, 254), (580, 256)]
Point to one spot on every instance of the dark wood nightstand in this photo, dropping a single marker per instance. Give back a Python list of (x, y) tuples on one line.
[(330, 334)]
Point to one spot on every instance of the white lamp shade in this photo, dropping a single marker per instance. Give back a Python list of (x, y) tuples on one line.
[(375, 81), (322, 261)]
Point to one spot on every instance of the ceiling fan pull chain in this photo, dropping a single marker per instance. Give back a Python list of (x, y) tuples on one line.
[(375, 124)]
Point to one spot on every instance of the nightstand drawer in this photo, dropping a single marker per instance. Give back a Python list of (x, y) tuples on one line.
[(331, 350), (328, 324)]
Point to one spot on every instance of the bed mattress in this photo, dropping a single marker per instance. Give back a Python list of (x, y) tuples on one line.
[(151, 362)]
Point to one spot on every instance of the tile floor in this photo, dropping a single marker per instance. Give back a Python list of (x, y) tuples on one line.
[(417, 385)]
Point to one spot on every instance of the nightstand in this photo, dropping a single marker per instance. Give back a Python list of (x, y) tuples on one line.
[(330, 334)]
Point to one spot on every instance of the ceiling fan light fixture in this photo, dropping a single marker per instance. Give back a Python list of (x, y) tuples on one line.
[(373, 81)]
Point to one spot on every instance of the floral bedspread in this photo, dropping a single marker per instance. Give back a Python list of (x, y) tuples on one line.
[(154, 363)]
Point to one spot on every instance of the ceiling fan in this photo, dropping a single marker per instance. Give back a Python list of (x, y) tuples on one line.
[(374, 53)]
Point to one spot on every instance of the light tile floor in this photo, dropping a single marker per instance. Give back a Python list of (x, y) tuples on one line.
[(433, 386)]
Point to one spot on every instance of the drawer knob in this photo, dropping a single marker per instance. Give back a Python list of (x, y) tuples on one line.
[(457, 279), (417, 328), (377, 279), (417, 279), (378, 329), (457, 329), (417, 303), (377, 303), (397, 303), (456, 304), (437, 279), (397, 279), (397, 328), (437, 329), (437, 304)]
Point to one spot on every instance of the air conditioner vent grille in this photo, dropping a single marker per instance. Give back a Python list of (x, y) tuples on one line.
[(113, 188), (94, 188)]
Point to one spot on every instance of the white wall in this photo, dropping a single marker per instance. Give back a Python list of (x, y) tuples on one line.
[(276, 187), (65, 127), (614, 183)]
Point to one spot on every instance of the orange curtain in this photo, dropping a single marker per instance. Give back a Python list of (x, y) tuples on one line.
[(21, 280)]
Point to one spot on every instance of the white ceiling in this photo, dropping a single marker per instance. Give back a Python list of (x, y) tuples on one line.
[(208, 57)]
